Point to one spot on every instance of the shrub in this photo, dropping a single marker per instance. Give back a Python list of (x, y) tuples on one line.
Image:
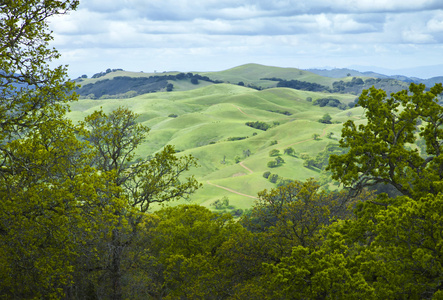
[(273, 178), (237, 212), (284, 182), (221, 203), (173, 116), (289, 151), (272, 164), (266, 174), (274, 152), (237, 138), (258, 125), (326, 119)]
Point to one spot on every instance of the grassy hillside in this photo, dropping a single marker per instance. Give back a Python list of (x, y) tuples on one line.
[(208, 120), (252, 73)]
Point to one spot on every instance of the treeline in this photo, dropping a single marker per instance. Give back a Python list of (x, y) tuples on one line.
[(354, 86), (101, 74), (123, 86), (357, 85), (298, 85)]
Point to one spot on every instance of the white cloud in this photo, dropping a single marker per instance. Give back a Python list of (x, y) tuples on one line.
[(417, 37), (225, 32)]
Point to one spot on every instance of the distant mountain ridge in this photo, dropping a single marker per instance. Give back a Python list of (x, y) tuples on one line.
[(121, 84), (345, 72)]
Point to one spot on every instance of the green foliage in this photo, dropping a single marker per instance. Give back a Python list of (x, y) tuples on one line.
[(172, 115), (44, 198), (274, 152), (283, 112), (289, 151), (326, 119), (266, 174), (258, 125), (315, 136), (278, 160), (311, 274), (237, 138), (272, 164), (273, 178), (302, 85), (222, 203), (274, 142), (283, 182), (378, 150), (322, 102), (184, 245), (155, 179)]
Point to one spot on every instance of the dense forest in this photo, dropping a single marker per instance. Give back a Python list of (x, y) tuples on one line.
[(75, 220)]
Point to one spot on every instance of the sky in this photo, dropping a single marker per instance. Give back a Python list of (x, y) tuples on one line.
[(215, 35)]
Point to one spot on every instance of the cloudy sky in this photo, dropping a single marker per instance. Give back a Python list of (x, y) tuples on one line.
[(213, 35)]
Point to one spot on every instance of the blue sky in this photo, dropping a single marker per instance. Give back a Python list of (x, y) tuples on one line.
[(213, 35)]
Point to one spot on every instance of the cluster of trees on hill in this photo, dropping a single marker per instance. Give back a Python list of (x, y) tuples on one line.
[(74, 219), (299, 85), (258, 125), (101, 74), (124, 86), (357, 85)]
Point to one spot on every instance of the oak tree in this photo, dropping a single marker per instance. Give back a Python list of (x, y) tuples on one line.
[(384, 151)]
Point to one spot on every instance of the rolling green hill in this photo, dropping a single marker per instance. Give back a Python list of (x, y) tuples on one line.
[(252, 73), (209, 123)]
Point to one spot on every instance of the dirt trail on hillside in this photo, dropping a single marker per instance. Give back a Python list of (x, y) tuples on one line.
[(250, 171), (230, 190), (240, 110), (246, 168)]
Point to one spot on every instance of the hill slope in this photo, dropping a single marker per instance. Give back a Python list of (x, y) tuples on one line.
[(209, 123), (122, 84)]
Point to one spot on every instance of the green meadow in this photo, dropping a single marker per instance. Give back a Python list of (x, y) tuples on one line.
[(208, 122)]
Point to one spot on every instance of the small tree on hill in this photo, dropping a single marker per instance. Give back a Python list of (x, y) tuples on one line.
[(273, 178), (326, 119), (274, 152), (289, 151)]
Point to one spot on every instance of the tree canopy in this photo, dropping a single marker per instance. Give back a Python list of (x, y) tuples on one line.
[(75, 200), (384, 151)]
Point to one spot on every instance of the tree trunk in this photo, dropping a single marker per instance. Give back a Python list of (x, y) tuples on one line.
[(115, 267)]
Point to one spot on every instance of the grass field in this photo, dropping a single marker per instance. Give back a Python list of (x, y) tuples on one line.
[(208, 116)]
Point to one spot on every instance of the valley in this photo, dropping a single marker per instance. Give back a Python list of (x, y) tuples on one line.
[(207, 120)]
